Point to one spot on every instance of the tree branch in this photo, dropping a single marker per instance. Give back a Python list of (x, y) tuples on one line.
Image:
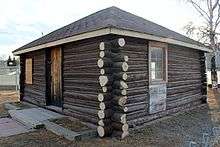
[(217, 19), (215, 5), (200, 10)]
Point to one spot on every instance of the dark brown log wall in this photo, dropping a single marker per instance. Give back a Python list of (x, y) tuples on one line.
[(137, 81), (35, 93), (184, 76), (81, 80), (186, 85)]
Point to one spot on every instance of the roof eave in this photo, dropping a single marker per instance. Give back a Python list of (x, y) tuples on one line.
[(156, 38), (106, 31)]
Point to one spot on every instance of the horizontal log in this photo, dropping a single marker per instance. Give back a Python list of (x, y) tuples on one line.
[(81, 82), (112, 44), (147, 118), (105, 53), (106, 71), (137, 98), (106, 89), (120, 76), (82, 103), (135, 54), (81, 89), (82, 75), (136, 91), (85, 55), (120, 84), (104, 122), (120, 109), (105, 105), (104, 96), (120, 134), (136, 106), (121, 65), (81, 116), (104, 130), (184, 94), (119, 58), (104, 62), (119, 117), (134, 68), (119, 100), (120, 92), (120, 126), (181, 83), (82, 109), (103, 80), (85, 96), (137, 114), (183, 100), (71, 67), (104, 113), (72, 48)]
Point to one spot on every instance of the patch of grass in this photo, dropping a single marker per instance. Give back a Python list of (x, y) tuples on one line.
[(74, 125)]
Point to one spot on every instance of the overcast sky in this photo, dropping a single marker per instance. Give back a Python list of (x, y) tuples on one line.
[(22, 21)]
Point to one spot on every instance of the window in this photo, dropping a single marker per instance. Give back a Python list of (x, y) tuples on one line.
[(157, 62), (28, 71)]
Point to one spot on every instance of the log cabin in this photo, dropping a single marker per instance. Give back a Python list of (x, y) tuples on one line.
[(114, 70)]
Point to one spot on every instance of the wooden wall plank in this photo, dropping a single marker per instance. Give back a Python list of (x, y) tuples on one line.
[(35, 92)]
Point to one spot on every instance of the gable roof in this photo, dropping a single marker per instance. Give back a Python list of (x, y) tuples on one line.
[(101, 22)]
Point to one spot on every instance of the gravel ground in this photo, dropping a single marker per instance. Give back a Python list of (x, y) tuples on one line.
[(175, 131)]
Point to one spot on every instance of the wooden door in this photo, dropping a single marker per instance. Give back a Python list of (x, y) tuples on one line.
[(56, 85)]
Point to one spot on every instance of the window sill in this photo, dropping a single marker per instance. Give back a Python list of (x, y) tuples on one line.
[(157, 82)]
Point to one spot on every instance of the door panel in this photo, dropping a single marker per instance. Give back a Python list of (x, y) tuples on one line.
[(56, 87)]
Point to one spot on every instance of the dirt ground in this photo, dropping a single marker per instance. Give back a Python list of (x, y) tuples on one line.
[(175, 131), (75, 125), (8, 96), (39, 138)]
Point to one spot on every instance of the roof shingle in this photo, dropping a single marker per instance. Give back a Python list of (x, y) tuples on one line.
[(109, 17)]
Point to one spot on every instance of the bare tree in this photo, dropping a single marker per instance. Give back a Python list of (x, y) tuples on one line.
[(209, 10)]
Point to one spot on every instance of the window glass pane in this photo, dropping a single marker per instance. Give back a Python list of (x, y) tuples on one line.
[(159, 75), (156, 63), (153, 66)]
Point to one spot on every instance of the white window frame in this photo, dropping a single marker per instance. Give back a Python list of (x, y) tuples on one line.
[(163, 46)]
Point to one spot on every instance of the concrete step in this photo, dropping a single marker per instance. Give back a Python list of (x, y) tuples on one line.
[(61, 131), (9, 106), (69, 134), (26, 120), (33, 117)]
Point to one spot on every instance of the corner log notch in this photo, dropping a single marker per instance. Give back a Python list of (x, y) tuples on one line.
[(113, 67)]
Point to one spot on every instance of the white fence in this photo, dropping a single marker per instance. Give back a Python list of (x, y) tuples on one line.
[(9, 78)]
